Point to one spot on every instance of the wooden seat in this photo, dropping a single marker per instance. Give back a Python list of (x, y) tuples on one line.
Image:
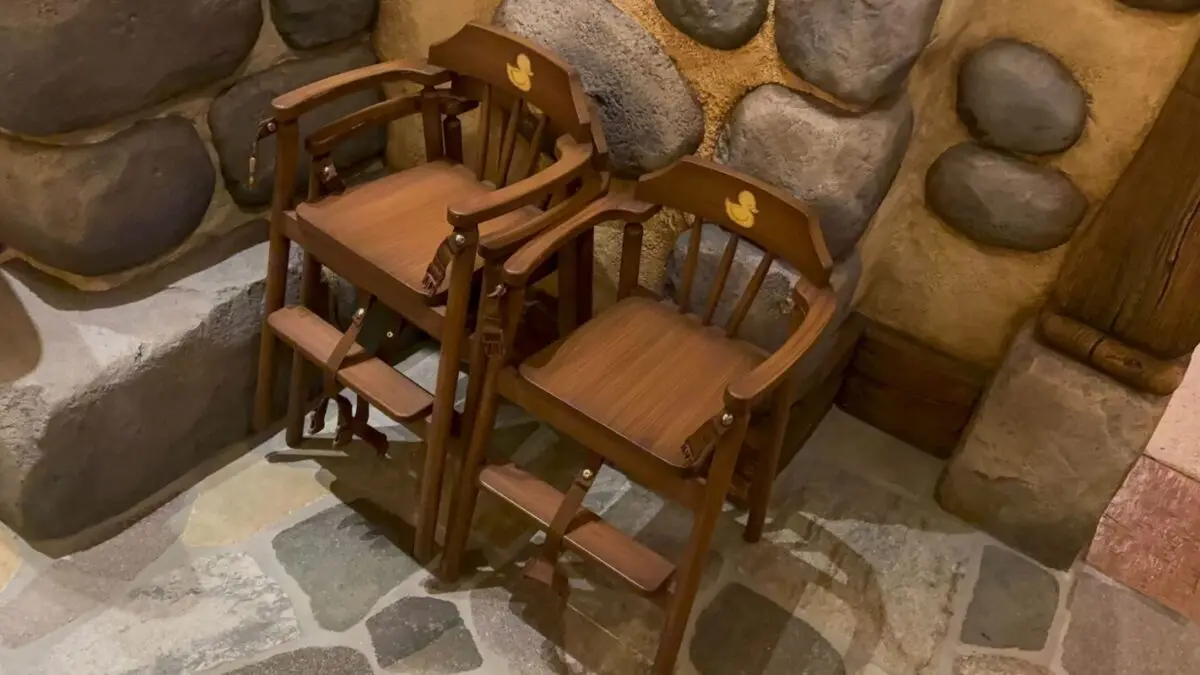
[(645, 371), (421, 240), (397, 223), (654, 389)]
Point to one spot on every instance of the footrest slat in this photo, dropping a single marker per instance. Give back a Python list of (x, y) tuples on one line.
[(595, 539), (381, 385)]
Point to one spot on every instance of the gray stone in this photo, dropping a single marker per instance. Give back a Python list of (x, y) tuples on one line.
[(81, 582), (109, 206), (721, 24), (346, 558), (650, 113), (1019, 97), (1114, 631), (415, 624), (218, 609), (841, 164), (743, 633), (996, 199), (769, 321), (1164, 5), (1046, 449), (236, 113), (123, 55), (858, 50), (130, 389), (312, 661), (304, 24), (876, 573), (996, 665), (1014, 603)]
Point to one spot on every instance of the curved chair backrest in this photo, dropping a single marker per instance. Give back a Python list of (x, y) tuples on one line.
[(523, 90), (747, 208)]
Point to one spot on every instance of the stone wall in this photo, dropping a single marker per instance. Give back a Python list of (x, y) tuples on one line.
[(868, 104), (125, 125)]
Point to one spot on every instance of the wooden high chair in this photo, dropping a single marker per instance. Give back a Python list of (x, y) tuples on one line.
[(651, 387), (415, 241)]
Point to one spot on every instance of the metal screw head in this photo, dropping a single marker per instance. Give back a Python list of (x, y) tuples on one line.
[(391, 334), (587, 474), (360, 313), (727, 420), (328, 172), (460, 239)]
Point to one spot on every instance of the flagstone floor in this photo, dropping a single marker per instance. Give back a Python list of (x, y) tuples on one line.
[(287, 562)]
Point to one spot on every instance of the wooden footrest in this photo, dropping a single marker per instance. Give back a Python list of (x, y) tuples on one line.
[(381, 385), (596, 539)]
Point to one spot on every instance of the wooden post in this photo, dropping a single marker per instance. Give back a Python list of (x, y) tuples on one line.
[(1126, 301)]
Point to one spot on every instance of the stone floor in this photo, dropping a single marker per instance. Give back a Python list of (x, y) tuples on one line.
[(294, 562)]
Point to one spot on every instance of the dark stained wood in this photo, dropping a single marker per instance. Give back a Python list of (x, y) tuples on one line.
[(718, 284), (452, 133), (689, 265), (655, 392), (1109, 355), (292, 105), (900, 362), (928, 425), (631, 259), (1133, 273)]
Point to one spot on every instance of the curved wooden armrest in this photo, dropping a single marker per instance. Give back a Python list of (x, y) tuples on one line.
[(295, 103), (748, 390), (499, 244), (573, 159), (325, 139), (613, 206)]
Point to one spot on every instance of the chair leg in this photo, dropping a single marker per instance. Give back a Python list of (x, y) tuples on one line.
[(687, 580), (767, 466), (468, 478), (310, 279), (441, 422), (276, 287)]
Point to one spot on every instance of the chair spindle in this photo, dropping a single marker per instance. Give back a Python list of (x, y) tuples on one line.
[(748, 295), (689, 265), (718, 286)]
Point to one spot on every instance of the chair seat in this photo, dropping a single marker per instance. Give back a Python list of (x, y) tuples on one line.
[(397, 222), (644, 370)]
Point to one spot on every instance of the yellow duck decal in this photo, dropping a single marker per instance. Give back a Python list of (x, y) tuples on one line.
[(742, 211), (521, 75)]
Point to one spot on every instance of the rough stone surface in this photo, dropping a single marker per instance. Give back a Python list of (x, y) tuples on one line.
[(1014, 603), (1019, 97), (1000, 200), (1150, 533), (877, 573), (1114, 630), (218, 609), (650, 113), (236, 113), (312, 661), (996, 665), (1164, 5), (1048, 446), (137, 386), (416, 625), (124, 55), (77, 584), (770, 641), (346, 558), (722, 24), (841, 164), (769, 321), (304, 24), (858, 50), (109, 206)]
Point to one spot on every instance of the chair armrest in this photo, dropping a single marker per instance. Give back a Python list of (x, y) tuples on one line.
[(499, 244), (325, 139), (291, 105), (819, 308), (613, 206), (573, 159)]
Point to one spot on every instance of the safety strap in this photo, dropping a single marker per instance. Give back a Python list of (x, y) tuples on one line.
[(544, 567), (435, 273), (327, 175), (266, 128), (700, 445), (492, 329), (350, 423)]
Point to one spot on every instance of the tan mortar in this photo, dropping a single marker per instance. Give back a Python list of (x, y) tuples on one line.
[(920, 276)]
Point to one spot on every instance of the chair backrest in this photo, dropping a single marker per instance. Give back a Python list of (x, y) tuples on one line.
[(525, 94), (746, 208)]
